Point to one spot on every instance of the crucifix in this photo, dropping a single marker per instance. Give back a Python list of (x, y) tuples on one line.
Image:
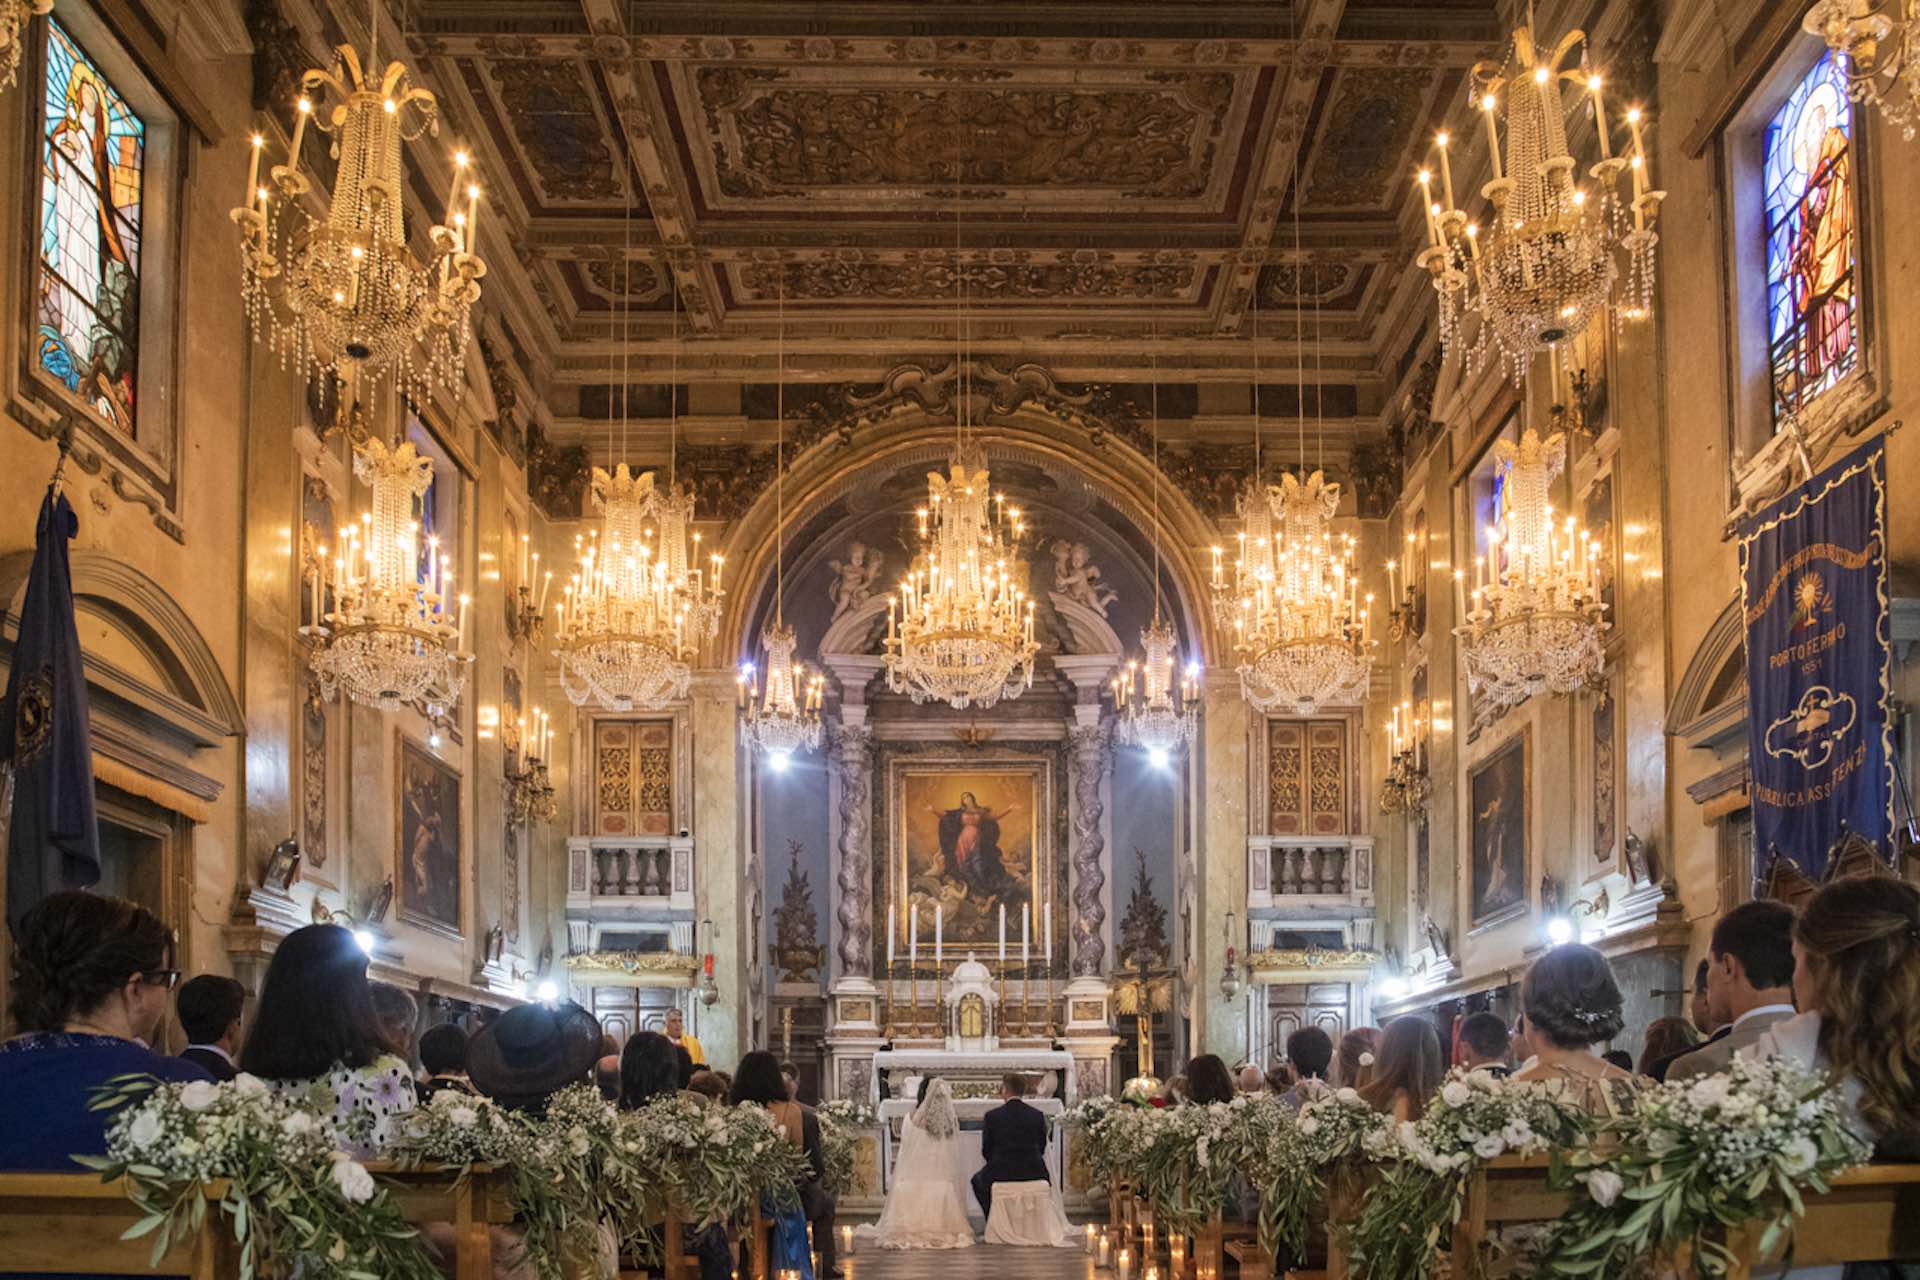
[(1143, 992)]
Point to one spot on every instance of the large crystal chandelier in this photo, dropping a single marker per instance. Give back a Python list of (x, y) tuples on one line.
[(14, 16), (1548, 259), (1157, 715), (390, 638), (628, 625), (1882, 53), (1536, 619), (787, 719), (347, 293), (961, 629)]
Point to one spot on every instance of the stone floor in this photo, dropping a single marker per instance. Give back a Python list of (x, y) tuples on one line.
[(982, 1262)]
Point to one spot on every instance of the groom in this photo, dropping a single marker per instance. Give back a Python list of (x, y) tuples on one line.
[(1013, 1142)]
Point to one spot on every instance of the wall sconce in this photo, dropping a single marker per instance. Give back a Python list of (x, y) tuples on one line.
[(530, 796), (527, 611), (1563, 922), (1406, 788)]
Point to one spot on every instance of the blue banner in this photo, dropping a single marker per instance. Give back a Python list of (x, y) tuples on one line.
[(1813, 586)]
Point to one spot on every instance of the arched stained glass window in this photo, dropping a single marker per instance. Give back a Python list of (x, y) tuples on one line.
[(1813, 294), (92, 166)]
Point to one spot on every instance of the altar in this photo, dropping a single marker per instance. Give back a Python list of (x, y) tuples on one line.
[(894, 1113), (974, 1075)]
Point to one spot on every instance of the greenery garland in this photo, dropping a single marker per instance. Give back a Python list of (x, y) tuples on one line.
[(840, 1123), (1331, 1132), (1695, 1159), (1190, 1167)]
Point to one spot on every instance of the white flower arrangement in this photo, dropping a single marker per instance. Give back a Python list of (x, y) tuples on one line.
[(1116, 1138), (1191, 1154), (1418, 1197), (1696, 1157), (1332, 1131), (840, 1123), (713, 1164), (294, 1201)]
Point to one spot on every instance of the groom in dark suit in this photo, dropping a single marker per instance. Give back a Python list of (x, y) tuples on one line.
[(1013, 1142)]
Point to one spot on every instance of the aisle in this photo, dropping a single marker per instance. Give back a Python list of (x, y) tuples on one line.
[(982, 1262)]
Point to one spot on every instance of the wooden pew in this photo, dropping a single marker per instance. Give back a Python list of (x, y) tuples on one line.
[(1870, 1214), (1209, 1243), (71, 1222), (473, 1205), (1503, 1192), (1254, 1262)]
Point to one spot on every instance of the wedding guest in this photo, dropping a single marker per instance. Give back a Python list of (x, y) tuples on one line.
[(606, 1070), (1856, 972), (648, 1070), (1749, 983), (1668, 1039), (1572, 1004), (758, 1081), (1250, 1079), (1702, 1014), (1484, 1044), (1409, 1069), (709, 1087), (316, 1033), (531, 1052), (443, 1057), (209, 1009), (675, 1027), (1177, 1090), (1208, 1081), (1310, 1053), (399, 1015), (683, 1065), (791, 1074), (1619, 1058), (90, 977), (1281, 1080), (1354, 1061)]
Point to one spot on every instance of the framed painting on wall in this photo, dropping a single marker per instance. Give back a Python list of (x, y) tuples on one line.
[(969, 836), (1498, 798), (427, 840)]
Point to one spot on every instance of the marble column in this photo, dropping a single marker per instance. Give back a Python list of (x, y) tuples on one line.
[(1220, 829), (853, 764), (1089, 757), (719, 808)]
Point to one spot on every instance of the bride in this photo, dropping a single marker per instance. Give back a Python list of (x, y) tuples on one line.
[(927, 1206)]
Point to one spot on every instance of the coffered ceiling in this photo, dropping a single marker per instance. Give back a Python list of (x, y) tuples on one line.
[(1111, 174)]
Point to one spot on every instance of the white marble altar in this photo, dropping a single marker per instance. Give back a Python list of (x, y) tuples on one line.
[(960, 1065), (894, 1113)]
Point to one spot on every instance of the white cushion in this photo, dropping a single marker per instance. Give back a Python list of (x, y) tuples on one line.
[(1026, 1213)]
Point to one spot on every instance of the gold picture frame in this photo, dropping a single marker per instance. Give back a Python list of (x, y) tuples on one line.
[(429, 864)]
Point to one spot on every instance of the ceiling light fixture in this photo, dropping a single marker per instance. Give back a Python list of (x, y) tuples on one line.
[(1882, 53)]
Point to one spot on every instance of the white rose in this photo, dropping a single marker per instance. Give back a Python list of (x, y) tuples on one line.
[(1604, 1185), (297, 1125), (1708, 1091), (1366, 1059), (198, 1095), (1490, 1146), (353, 1180), (1800, 1156), (248, 1085), (577, 1143), (1347, 1095), (1454, 1093), (462, 1117), (1309, 1126), (144, 1131)]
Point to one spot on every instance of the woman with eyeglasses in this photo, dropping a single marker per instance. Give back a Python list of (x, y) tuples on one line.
[(91, 977)]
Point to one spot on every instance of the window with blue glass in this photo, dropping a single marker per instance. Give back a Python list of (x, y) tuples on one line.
[(93, 150), (1813, 295)]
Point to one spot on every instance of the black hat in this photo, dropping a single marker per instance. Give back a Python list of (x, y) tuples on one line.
[(532, 1051)]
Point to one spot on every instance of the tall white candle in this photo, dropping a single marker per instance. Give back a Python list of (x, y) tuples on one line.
[(1026, 919), (913, 933), (890, 944), (1046, 925), (1003, 933), (939, 932)]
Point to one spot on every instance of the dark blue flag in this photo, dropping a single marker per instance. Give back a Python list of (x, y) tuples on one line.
[(55, 841), (1813, 584)]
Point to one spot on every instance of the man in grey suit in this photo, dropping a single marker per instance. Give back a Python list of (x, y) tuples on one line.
[(1749, 983)]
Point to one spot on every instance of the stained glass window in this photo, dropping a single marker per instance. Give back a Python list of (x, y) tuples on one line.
[(87, 322), (1812, 285)]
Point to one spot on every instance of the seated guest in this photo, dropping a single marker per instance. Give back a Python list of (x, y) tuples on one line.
[(648, 1070), (1619, 1058), (709, 1086), (1354, 1060), (443, 1057), (1857, 978), (675, 1027), (683, 1065), (1208, 1081), (1177, 1090), (1520, 1051), (1484, 1044), (399, 1016), (1572, 1004), (315, 1031), (531, 1052), (1250, 1079), (1310, 1054), (758, 1081), (1408, 1070), (90, 980), (1667, 1040), (209, 1008), (1702, 1013), (1281, 1080), (791, 1074), (1749, 983)]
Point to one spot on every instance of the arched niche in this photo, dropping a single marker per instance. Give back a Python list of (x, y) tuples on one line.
[(157, 694), (1709, 707)]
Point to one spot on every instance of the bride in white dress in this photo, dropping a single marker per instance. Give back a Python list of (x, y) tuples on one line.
[(927, 1207)]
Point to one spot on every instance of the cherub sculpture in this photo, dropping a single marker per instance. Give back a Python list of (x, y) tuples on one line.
[(1076, 577), (853, 578)]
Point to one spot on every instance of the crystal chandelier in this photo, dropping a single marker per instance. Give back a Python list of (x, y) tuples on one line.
[(1407, 788), (1536, 619), (1548, 261), (1882, 53), (787, 719), (347, 293), (961, 629), (1155, 715), (390, 638), (625, 626), (14, 16)]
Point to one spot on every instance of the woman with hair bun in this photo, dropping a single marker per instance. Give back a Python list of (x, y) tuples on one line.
[(91, 977), (1572, 1004)]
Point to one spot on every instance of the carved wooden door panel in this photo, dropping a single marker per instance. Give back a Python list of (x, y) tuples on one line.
[(1307, 778)]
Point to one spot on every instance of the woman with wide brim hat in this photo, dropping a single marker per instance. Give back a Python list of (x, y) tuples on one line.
[(533, 1051)]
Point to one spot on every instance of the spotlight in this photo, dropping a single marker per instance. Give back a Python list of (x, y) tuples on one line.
[(547, 991), (363, 938), (778, 761), (1157, 758), (433, 739), (1559, 931), (1394, 988)]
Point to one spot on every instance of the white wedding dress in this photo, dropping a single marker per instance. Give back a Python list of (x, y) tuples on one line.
[(927, 1205)]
